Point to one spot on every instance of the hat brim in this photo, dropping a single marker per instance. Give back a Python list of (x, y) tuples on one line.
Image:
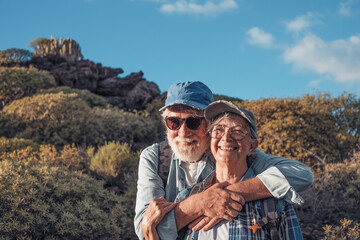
[(192, 104), (216, 108)]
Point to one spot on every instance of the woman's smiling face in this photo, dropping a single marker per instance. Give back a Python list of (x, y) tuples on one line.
[(227, 149)]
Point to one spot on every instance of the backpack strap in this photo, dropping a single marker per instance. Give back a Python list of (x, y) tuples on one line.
[(165, 154), (271, 219)]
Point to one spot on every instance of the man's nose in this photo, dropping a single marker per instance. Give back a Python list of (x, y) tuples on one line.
[(183, 130)]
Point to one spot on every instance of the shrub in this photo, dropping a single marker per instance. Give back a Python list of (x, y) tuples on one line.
[(17, 82), (14, 55), (62, 119), (12, 144), (39, 200), (58, 119), (90, 98), (115, 162), (307, 127), (323, 202), (9, 127), (347, 230), (131, 127)]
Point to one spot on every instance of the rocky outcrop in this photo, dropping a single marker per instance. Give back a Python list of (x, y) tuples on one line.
[(66, 48), (130, 92)]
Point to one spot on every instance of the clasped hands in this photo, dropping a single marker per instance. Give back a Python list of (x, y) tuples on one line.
[(215, 204), (218, 204)]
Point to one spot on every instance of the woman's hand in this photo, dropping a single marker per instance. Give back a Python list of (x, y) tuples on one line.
[(154, 213)]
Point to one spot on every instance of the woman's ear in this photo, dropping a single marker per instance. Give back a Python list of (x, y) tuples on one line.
[(253, 146)]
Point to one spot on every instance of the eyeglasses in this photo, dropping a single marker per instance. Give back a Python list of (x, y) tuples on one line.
[(236, 133), (192, 123)]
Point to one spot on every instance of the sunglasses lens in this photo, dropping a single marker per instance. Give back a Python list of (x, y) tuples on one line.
[(173, 123), (193, 123)]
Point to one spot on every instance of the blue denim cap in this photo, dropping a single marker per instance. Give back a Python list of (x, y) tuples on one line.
[(193, 94), (222, 106)]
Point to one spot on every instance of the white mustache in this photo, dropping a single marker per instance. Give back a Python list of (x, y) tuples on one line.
[(184, 140)]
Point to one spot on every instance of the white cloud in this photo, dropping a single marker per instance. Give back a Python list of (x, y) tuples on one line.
[(210, 7), (158, 1), (302, 22), (257, 36), (340, 58), (345, 7), (314, 83)]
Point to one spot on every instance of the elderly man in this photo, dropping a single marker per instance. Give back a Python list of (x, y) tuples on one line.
[(191, 162)]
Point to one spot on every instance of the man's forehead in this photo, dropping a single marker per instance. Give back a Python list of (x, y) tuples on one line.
[(183, 114), (182, 109)]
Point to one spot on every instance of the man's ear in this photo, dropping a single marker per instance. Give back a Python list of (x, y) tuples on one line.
[(253, 146)]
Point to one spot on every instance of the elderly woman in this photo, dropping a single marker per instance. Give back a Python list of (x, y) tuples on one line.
[(233, 144)]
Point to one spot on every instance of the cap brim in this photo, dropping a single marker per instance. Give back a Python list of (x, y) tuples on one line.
[(192, 104), (218, 107), (221, 106)]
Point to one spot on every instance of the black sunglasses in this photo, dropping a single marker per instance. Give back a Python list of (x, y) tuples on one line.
[(192, 123)]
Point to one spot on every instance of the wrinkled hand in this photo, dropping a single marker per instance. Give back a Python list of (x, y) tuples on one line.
[(204, 223), (220, 203), (153, 215)]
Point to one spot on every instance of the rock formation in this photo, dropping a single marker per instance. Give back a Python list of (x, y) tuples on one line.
[(68, 48), (63, 59), (130, 92)]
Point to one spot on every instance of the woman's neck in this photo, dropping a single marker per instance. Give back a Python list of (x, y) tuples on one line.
[(230, 173)]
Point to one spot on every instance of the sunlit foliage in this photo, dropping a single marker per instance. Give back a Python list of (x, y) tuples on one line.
[(41, 197), (307, 127), (18, 82)]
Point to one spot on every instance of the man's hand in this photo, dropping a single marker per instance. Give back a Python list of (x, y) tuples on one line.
[(214, 202), (154, 213), (220, 203), (204, 223)]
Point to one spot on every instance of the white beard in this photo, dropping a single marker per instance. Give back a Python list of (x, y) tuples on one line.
[(187, 153)]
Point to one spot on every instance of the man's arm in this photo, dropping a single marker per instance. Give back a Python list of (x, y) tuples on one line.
[(277, 177), (282, 177), (150, 186)]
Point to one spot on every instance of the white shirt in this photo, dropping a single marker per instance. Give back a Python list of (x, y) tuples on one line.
[(190, 169)]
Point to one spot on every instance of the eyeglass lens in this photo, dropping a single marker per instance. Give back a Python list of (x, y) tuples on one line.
[(236, 133), (174, 123)]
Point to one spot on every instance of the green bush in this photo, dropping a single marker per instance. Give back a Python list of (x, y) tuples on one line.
[(39, 200), (12, 144), (18, 82), (62, 119), (131, 127), (58, 119), (115, 162), (9, 127), (90, 98)]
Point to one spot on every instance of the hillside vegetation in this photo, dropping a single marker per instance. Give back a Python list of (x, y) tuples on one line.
[(68, 159)]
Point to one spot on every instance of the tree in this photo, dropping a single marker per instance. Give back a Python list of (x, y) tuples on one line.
[(14, 55), (40, 45)]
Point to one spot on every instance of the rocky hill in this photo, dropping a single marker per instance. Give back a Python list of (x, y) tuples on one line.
[(130, 92)]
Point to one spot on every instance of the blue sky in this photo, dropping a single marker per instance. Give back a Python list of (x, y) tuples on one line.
[(240, 48)]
